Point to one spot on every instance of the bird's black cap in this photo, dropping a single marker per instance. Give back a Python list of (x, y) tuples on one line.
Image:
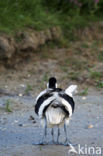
[(52, 82)]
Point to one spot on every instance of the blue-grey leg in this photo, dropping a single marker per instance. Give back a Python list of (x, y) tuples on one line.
[(58, 134), (42, 142), (52, 133), (67, 142), (44, 134)]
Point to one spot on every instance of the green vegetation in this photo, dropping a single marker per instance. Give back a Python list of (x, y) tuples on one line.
[(44, 79), (85, 45), (95, 74), (97, 77), (100, 56), (99, 84), (41, 14), (21, 14), (74, 75), (84, 92), (7, 108), (28, 89)]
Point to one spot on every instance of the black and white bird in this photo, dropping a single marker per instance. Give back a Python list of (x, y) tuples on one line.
[(55, 106)]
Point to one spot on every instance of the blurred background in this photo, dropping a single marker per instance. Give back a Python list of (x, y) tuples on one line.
[(43, 38)]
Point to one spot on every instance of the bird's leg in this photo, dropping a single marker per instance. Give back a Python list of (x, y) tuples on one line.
[(52, 133), (67, 142), (58, 134), (44, 133)]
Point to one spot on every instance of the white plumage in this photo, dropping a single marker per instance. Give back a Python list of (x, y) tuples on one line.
[(54, 116), (70, 90)]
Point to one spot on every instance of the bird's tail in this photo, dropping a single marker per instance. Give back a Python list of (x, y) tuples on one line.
[(70, 90), (54, 114)]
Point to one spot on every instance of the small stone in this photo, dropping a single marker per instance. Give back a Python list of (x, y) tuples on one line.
[(84, 98), (16, 121), (98, 117), (22, 85), (26, 125), (90, 126), (21, 125), (20, 94), (34, 121), (29, 75), (6, 87), (31, 118), (4, 129)]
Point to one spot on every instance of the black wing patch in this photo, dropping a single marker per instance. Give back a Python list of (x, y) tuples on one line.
[(46, 107), (69, 100), (40, 101)]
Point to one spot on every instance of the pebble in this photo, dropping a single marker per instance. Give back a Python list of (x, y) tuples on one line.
[(24, 125), (29, 75), (90, 126), (16, 121), (22, 85), (84, 98), (6, 87), (2, 129), (20, 125), (31, 117), (20, 95)]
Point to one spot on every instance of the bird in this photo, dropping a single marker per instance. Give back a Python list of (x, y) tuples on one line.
[(55, 106)]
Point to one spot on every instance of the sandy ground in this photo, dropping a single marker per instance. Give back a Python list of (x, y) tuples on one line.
[(19, 133)]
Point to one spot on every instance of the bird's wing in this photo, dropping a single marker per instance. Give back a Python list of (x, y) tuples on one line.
[(44, 92), (44, 105), (41, 94), (43, 100), (67, 101)]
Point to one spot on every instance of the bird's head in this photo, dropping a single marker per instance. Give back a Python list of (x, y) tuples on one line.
[(52, 84)]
